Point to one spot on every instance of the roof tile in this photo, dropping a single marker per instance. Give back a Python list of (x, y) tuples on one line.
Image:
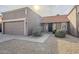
[(50, 19)]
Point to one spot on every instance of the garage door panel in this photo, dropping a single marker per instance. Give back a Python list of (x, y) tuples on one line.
[(14, 28)]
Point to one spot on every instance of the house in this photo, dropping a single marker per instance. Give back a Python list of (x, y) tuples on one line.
[(20, 21), (69, 23), (58, 22), (73, 17)]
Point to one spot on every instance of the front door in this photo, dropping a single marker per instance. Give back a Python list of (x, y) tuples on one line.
[(50, 27)]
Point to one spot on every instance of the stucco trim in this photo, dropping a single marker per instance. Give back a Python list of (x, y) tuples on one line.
[(19, 19), (25, 23)]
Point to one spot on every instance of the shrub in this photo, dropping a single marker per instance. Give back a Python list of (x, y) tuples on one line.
[(37, 32), (54, 31), (60, 34)]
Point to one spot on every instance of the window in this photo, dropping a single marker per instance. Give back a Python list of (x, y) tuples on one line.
[(64, 26), (58, 26), (54, 26)]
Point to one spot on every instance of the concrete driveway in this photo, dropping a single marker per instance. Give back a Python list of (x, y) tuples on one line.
[(14, 46), (68, 45), (6, 37), (51, 45)]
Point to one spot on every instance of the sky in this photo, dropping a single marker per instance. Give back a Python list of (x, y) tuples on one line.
[(44, 10)]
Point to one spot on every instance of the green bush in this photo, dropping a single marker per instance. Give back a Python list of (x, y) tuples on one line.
[(54, 31), (37, 32), (60, 34)]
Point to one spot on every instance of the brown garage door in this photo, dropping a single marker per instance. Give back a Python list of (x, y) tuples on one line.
[(14, 28)]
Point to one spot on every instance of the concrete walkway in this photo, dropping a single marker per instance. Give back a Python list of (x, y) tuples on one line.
[(6, 37)]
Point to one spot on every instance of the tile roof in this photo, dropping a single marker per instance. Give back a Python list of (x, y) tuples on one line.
[(51, 19)]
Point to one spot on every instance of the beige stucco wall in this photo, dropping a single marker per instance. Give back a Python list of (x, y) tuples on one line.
[(33, 20), (72, 18), (14, 14)]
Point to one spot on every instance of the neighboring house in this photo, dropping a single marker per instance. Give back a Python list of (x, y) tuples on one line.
[(59, 22), (20, 21), (0, 24), (73, 17)]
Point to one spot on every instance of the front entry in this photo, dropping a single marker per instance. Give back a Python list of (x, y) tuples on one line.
[(50, 27)]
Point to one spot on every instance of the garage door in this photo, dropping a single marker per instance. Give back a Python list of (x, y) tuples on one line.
[(14, 28)]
